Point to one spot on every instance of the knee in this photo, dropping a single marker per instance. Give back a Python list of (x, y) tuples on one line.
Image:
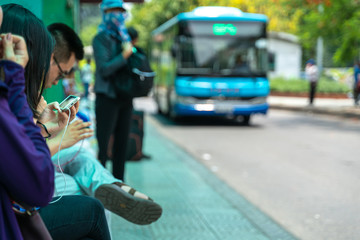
[(90, 205), (97, 206)]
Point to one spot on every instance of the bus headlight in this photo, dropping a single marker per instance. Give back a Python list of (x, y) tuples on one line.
[(204, 107)]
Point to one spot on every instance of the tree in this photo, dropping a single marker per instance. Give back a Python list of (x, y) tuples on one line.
[(89, 30), (281, 19), (90, 18), (145, 20), (338, 23)]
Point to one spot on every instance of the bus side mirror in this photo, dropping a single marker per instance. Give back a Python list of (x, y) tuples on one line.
[(261, 43)]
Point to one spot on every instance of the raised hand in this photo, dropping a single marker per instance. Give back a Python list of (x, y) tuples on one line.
[(13, 48)]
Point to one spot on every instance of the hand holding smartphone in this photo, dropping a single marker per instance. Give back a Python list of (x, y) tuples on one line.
[(68, 102)]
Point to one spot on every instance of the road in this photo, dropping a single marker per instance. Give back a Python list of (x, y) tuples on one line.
[(302, 170)]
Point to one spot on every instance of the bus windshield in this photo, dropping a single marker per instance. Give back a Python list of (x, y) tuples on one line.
[(222, 48), (221, 56)]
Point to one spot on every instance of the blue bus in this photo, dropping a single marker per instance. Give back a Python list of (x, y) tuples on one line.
[(211, 61)]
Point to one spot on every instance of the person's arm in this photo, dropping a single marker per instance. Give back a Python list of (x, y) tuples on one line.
[(105, 63), (25, 166), (15, 51)]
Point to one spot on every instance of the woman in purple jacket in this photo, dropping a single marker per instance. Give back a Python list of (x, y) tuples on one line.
[(25, 167), (26, 170)]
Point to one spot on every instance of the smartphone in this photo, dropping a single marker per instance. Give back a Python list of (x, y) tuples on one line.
[(68, 102)]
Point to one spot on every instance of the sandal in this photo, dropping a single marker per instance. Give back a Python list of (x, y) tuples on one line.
[(132, 191), (128, 203)]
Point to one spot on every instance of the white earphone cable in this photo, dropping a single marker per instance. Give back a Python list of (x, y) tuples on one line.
[(58, 160)]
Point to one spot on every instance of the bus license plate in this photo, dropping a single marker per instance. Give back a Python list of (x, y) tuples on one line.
[(224, 108)]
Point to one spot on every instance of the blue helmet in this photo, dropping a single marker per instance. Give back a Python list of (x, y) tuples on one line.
[(107, 4)]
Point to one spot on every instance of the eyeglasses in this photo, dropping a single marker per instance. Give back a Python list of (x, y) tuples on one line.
[(62, 73)]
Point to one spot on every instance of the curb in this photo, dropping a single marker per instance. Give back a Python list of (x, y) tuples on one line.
[(346, 113)]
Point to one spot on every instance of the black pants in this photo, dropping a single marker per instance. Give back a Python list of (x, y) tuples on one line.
[(76, 217), (356, 93), (312, 91), (113, 118)]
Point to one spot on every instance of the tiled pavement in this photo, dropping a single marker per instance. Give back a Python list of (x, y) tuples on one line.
[(196, 204)]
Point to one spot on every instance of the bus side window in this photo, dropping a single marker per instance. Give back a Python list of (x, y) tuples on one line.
[(187, 56)]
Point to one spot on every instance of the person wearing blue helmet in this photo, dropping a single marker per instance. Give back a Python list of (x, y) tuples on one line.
[(312, 75), (112, 48)]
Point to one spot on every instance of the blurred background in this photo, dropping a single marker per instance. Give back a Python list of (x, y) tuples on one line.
[(324, 30), (293, 165)]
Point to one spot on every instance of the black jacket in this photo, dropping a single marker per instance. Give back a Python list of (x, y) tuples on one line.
[(110, 65)]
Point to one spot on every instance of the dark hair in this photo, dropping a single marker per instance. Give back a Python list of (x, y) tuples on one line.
[(133, 33), (67, 42), (40, 44)]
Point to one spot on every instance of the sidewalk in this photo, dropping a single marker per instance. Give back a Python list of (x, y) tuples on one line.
[(336, 107), (196, 204)]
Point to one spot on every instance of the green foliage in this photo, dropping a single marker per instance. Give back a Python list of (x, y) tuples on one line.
[(332, 87), (337, 21), (283, 85), (284, 15), (146, 20), (89, 30), (302, 86)]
